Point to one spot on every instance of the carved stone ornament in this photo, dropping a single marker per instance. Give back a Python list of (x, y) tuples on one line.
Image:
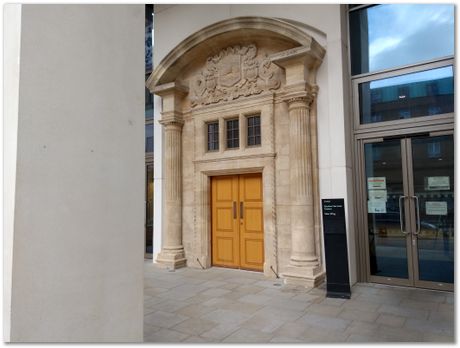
[(236, 71)]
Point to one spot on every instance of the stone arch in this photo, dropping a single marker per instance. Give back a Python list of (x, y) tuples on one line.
[(240, 27), (221, 62)]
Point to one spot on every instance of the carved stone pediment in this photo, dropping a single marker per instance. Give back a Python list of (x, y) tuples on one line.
[(236, 71)]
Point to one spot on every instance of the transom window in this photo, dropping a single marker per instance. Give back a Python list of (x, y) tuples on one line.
[(391, 35), (423, 93), (213, 136), (253, 130), (233, 136)]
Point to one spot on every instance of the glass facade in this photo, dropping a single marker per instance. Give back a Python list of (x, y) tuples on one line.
[(402, 67), (391, 35), (148, 133)]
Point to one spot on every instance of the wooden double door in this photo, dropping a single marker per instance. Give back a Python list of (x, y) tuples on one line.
[(237, 221)]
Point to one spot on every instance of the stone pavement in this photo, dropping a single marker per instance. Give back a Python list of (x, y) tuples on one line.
[(226, 305)]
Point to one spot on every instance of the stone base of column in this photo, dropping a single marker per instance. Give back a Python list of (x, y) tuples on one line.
[(171, 257), (308, 277)]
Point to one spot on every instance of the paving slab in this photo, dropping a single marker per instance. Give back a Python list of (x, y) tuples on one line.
[(233, 306), (244, 335), (194, 326)]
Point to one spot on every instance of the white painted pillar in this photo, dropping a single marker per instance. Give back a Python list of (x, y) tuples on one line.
[(12, 41)]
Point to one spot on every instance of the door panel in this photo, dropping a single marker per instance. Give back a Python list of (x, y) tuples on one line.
[(237, 221), (251, 222), (225, 236), (432, 189), (410, 210), (386, 221)]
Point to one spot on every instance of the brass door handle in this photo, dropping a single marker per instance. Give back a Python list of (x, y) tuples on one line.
[(234, 210), (241, 210)]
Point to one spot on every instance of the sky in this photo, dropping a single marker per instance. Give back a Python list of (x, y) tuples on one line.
[(401, 34)]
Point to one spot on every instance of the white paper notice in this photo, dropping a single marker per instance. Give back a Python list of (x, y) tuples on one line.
[(377, 183), (376, 207), (437, 183), (378, 195), (436, 208)]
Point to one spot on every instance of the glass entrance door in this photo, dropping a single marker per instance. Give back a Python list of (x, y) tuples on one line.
[(409, 185)]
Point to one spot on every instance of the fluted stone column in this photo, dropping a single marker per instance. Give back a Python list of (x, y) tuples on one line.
[(303, 264), (300, 65), (172, 251)]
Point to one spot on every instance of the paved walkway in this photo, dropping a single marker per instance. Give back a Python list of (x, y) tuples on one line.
[(225, 305)]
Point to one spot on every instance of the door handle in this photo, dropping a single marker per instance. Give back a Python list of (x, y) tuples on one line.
[(417, 232), (234, 210), (401, 198), (241, 210)]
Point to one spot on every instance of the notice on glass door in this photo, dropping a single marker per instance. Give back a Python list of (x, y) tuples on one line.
[(436, 208), (376, 207), (377, 195), (433, 183), (377, 183)]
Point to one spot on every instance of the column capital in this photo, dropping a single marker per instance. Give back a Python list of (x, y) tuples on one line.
[(171, 119), (298, 100)]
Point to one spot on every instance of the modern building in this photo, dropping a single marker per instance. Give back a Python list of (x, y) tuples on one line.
[(260, 112), (263, 111), (148, 134)]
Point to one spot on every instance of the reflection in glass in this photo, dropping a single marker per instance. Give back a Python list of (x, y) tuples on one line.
[(433, 168), (391, 35), (213, 136), (424, 93), (149, 138), (387, 244), (149, 209)]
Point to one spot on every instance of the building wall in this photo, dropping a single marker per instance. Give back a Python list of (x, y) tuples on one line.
[(327, 24), (11, 59), (78, 222)]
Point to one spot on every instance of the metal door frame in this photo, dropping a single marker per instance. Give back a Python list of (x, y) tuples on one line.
[(362, 239), (413, 213)]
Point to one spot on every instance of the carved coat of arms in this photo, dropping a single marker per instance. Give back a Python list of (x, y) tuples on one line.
[(232, 73)]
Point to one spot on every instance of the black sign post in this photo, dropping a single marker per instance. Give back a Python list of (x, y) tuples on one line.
[(335, 245)]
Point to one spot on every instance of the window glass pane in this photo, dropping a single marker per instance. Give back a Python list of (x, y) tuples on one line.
[(424, 93), (149, 138), (149, 209), (148, 105), (233, 139), (392, 35), (213, 136), (254, 130)]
